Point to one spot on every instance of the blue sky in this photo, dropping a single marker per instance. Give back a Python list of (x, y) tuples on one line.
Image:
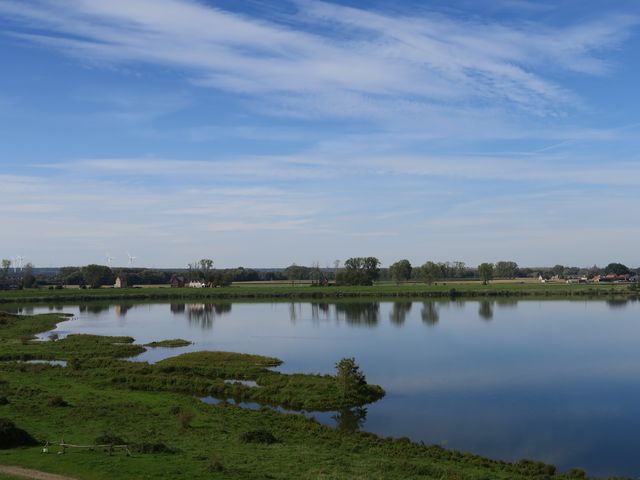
[(264, 133)]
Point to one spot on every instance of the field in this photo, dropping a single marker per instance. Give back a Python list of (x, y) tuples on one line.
[(305, 291), (99, 398)]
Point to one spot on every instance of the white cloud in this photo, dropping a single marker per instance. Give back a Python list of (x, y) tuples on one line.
[(361, 57)]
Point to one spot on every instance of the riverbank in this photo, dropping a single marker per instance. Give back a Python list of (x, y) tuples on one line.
[(305, 292), (172, 434)]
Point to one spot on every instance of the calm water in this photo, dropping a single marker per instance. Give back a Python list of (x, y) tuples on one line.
[(551, 380)]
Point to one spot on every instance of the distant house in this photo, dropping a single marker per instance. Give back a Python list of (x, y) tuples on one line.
[(613, 278), (196, 284), (178, 281), (121, 282)]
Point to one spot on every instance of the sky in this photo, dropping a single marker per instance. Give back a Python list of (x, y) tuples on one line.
[(261, 133)]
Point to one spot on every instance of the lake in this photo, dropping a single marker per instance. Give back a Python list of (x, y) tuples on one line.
[(553, 380)]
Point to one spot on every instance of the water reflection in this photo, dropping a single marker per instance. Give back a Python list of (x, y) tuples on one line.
[(350, 419), (429, 314), (93, 308), (200, 314), (359, 314), (399, 312), (485, 310), (617, 302), (122, 309), (320, 311)]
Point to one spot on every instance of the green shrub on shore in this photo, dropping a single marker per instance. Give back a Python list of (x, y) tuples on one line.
[(12, 436)]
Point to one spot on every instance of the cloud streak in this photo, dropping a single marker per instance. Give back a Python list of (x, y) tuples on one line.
[(330, 55)]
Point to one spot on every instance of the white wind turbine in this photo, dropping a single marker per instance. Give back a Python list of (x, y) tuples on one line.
[(17, 263), (110, 259), (131, 259)]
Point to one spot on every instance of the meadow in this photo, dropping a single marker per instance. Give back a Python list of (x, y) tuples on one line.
[(268, 290)]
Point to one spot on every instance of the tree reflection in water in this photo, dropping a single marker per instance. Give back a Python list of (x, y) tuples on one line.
[(202, 314), (429, 313), (350, 419), (617, 302), (359, 314), (93, 308), (320, 310), (486, 310), (399, 312)]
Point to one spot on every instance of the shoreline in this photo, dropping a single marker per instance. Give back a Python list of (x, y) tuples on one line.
[(452, 290)]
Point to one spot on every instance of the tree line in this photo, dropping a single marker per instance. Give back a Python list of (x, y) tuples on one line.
[(354, 271)]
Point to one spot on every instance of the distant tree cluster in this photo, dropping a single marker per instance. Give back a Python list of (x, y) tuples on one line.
[(359, 271)]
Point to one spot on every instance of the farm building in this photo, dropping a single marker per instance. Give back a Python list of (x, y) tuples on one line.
[(177, 281), (121, 282)]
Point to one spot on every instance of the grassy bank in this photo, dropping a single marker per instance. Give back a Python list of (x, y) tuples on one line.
[(99, 397), (266, 291)]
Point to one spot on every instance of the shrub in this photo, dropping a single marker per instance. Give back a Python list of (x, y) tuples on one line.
[(57, 401), (577, 473), (258, 436), (4, 400), (536, 468), (12, 436), (215, 464), (184, 418), (151, 448), (108, 439)]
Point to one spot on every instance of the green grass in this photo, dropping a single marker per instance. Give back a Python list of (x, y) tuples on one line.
[(266, 291), (209, 441)]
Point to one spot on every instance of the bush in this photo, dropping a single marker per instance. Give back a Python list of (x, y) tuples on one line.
[(12, 436), (108, 439), (577, 473), (215, 464), (258, 436), (151, 448), (535, 468), (57, 401), (184, 418), (4, 401)]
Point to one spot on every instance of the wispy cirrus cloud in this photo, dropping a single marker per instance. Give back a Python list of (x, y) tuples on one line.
[(327, 57)]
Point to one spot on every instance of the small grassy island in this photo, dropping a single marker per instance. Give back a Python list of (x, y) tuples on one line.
[(156, 414)]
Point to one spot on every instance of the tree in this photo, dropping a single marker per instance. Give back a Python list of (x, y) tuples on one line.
[(97, 275), (349, 378), (459, 269), (558, 271), (70, 276), (206, 267), (315, 273), (506, 269), (617, 269), (28, 279), (400, 271), (485, 272), (293, 272), (6, 265), (430, 271), (359, 271)]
